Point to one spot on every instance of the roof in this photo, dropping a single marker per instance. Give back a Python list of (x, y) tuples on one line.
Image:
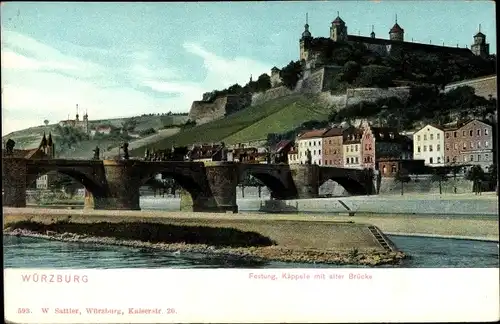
[(384, 134), (338, 20), (281, 145), (396, 29), (334, 131), (312, 134), (275, 69), (26, 154), (432, 125), (409, 45), (479, 34)]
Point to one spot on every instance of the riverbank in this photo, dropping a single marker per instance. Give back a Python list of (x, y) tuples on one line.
[(289, 240)]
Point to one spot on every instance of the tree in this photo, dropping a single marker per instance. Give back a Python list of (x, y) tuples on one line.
[(439, 175), (350, 71), (476, 175), (263, 83), (291, 74)]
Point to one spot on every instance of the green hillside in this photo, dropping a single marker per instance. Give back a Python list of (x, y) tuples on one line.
[(31, 137), (252, 123)]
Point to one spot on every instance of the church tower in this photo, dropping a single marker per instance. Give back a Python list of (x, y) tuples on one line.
[(86, 123), (396, 33), (77, 119), (338, 30), (305, 41), (480, 48)]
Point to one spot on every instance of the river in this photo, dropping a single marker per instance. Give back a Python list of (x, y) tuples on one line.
[(27, 252)]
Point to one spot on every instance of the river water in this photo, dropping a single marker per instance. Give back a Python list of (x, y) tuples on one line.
[(27, 252)]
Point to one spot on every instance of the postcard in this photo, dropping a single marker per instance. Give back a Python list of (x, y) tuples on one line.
[(263, 162)]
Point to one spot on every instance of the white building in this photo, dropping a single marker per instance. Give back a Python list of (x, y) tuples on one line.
[(428, 145), (312, 141)]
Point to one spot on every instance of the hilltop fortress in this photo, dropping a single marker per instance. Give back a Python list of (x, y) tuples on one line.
[(318, 74)]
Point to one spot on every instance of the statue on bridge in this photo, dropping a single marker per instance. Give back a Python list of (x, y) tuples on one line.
[(125, 151), (309, 156), (147, 156), (9, 146), (97, 152)]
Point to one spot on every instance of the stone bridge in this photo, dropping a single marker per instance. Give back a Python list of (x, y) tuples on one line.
[(115, 184)]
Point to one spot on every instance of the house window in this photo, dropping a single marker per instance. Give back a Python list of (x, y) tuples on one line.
[(454, 134), (418, 137), (472, 158), (478, 157), (352, 149), (439, 159), (463, 133), (366, 147), (438, 147), (319, 152), (478, 144), (431, 160), (309, 143), (425, 148), (470, 132), (326, 162), (314, 152), (432, 136), (486, 157), (478, 132), (357, 159), (485, 131), (347, 148), (465, 158), (331, 162), (393, 169), (347, 161), (425, 137), (447, 159), (384, 170), (447, 147), (369, 147), (471, 145), (454, 159), (447, 135), (418, 149), (464, 146), (486, 144), (329, 141), (430, 148), (455, 146), (438, 135), (356, 147)]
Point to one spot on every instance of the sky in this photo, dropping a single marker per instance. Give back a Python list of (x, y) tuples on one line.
[(125, 59)]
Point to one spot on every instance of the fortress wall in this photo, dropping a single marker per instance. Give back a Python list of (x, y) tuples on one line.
[(273, 93), (313, 83), (483, 86), (203, 112), (354, 96)]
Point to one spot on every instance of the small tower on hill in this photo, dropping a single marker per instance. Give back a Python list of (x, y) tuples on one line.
[(305, 41), (86, 128), (77, 116), (396, 33), (480, 48), (372, 34), (338, 30)]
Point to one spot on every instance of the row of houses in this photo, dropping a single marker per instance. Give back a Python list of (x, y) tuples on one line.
[(384, 148)]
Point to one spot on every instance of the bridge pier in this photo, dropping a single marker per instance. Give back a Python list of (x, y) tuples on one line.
[(123, 182), (307, 180), (222, 179), (14, 178)]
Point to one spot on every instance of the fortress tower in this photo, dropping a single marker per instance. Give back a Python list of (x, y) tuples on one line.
[(480, 48), (305, 41), (396, 33), (338, 30)]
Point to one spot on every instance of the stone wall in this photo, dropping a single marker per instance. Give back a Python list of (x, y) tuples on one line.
[(423, 184), (273, 93), (484, 86), (204, 111), (354, 96)]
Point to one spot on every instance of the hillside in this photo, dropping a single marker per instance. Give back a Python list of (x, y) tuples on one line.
[(250, 124), (30, 137)]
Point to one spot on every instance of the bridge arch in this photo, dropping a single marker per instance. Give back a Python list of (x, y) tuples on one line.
[(352, 186), (188, 183), (95, 188), (273, 180)]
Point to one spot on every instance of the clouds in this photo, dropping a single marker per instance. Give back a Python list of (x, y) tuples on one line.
[(41, 82)]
